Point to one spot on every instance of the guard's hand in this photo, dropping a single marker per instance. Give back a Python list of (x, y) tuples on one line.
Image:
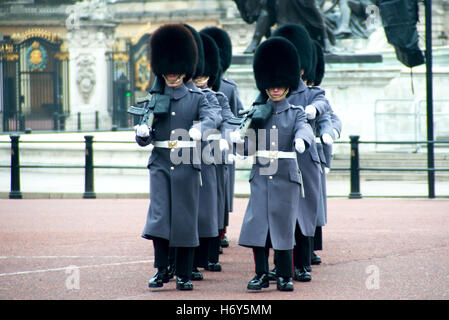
[(310, 112), (142, 131), (223, 145), (300, 146), (327, 139), (195, 134), (235, 137), (230, 159)]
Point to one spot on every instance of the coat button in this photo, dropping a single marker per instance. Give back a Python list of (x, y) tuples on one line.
[(173, 113), (273, 127), (270, 177), (173, 132), (273, 143), (172, 168)]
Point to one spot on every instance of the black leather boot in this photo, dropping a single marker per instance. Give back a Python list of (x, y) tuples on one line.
[(259, 282), (302, 275), (196, 274), (159, 278), (284, 284), (183, 284)]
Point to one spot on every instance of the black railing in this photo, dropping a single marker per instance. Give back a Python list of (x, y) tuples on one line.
[(89, 192)]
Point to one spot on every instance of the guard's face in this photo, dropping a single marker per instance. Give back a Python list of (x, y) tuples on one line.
[(173, 80), (201, 82), (277, 94)]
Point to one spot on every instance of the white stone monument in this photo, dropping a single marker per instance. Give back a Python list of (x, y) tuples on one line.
[(90, 36)]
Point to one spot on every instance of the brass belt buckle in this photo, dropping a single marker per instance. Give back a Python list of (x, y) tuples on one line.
[(172, 144), (273, 154)]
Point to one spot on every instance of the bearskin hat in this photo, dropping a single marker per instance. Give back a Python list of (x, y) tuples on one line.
[(199, 43), (299, 36), (211, 59), (320, 65), (224, 43), (173, 51), (276, 65)]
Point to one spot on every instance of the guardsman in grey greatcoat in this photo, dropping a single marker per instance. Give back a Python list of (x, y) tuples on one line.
[(208, 201), (309, 161), (172, 219), (212, 73), (229, 88), (317, 241), (275, 179)]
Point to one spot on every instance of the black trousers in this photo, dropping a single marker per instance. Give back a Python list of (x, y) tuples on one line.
[(183, 257), (283, 259), (302, 251), (317, 243)]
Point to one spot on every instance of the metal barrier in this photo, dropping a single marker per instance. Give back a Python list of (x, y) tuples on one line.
[(89, 191)]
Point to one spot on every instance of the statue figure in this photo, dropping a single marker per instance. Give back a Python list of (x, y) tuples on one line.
[(325, 20), (266, 13)]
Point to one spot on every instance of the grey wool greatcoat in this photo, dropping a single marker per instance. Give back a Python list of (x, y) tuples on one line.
[(229, 88), (323, 124), (174, 194), (225, 193), (310, 203), (274, 203), (208, 222)]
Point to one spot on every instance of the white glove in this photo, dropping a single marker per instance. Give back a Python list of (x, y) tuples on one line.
[(326, 170), (300, 145), (235, 137), (223, 145), (195, 134), (310, 112), (142, 131), (336, 134), (327, 139), (231, 158)]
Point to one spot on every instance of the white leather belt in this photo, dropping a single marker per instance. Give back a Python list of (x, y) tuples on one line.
[(215, 136), (276, 154), (170, 144)]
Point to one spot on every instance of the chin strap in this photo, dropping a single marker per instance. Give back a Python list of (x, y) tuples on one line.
[(177, 80), (282, 96), (201, 84)]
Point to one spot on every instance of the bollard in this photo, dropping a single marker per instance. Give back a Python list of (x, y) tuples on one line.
[(89, 170), (355, 168), (15, 168)]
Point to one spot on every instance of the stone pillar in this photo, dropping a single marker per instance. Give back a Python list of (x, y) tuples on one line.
[(91, 35)]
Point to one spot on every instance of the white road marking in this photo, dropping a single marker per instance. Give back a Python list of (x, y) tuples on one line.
[(72, 266)]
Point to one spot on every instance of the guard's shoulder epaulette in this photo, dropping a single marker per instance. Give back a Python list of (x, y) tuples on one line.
[(231, 82), (196, 91), (296, 107), (219, 93)]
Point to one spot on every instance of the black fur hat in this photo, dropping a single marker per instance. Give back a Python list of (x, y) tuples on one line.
[(299, 36), (211, 59), (199, 43), (276, 65), (320, 65), (173, 50), (224, 43)]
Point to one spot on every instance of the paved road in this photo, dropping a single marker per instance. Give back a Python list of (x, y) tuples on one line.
[(91, 249)]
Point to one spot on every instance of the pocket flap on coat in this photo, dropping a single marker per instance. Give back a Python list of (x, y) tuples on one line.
[(295, 177), (252, 175), (152, 158)]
